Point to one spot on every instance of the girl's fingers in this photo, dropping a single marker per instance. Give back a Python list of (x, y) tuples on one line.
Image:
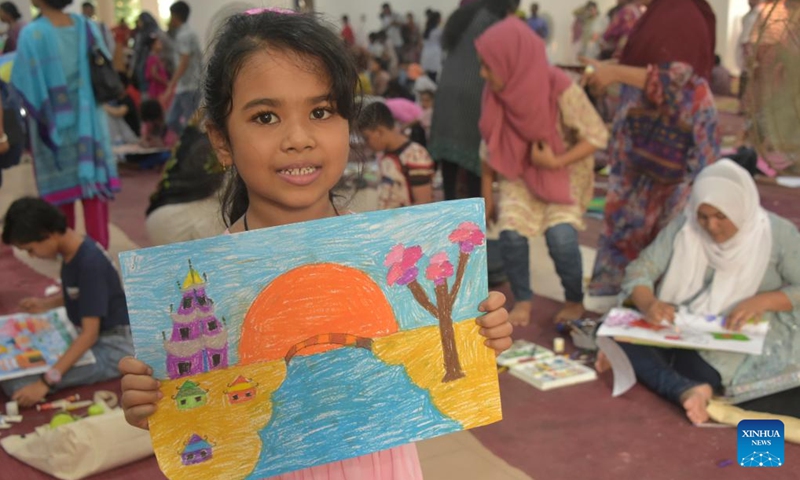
[(135, 398), (499, 345), (502, 330), (129, 365), (493, 319), (137, 416), (493, 302), (139, 383)]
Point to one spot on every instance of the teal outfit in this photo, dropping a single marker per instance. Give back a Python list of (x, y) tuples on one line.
[(743, 376), (69, 129)]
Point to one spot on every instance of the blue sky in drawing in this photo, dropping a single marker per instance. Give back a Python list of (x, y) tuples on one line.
[(240, 266)]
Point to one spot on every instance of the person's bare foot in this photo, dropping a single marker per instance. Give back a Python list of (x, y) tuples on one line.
[(695, 400), (602, 364), (569, 312), (520, 315)]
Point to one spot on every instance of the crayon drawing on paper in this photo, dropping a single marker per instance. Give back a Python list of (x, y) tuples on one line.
[(301, 345), (31, 344)]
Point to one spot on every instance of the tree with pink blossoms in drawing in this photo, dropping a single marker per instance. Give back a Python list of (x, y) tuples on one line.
[(403, 271)]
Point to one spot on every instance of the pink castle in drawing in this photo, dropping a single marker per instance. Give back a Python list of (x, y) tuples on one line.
[(199, 341)]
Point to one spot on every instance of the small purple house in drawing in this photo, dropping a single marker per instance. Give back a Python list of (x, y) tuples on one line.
[(197, 450), (199, 341)]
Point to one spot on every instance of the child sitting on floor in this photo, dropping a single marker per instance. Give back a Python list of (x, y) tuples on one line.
[(91, 292), (406, 167)]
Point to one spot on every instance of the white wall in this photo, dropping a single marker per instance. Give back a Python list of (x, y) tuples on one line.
[(334, 9), (561, 13), (729, 25), (24, 7), (560, 48)]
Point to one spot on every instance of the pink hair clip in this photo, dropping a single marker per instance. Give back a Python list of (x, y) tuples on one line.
[(256, 11)]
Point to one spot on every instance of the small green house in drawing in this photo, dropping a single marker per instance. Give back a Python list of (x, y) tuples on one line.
[(190, 395)]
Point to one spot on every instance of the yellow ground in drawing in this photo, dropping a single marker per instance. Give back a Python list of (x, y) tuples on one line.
[(217, 420), (472, 400)]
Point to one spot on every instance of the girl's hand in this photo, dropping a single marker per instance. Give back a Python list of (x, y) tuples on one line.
[(746, 311), (659, 312), (495, 326), (139, 391), (542, 156)]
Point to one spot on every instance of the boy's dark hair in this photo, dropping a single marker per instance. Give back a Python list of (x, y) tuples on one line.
[(57, 4), (375, 115), (151, 110), (11, 10), (381, 63), (180, 10), (242, 36), (32, 219), (395, 89), (87, 5), (345, 18), (717, 60)]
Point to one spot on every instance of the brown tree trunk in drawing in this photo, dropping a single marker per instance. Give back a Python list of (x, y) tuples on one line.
[(422, 298), (452, 365), (462, 267)]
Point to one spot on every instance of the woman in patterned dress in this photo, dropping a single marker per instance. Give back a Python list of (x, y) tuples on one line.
[(665, 96)]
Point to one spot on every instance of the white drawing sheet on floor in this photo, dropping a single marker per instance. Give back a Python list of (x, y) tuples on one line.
[(702, 332)]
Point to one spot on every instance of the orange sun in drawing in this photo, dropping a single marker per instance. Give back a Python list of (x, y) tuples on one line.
[(313, 300)]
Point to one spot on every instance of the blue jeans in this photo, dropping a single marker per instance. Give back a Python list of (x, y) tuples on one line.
[(109, 349), (183, 107), (670, 371), (562, 243), (494, 263)]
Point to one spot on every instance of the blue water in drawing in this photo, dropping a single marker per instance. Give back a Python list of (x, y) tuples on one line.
[(362, 405)]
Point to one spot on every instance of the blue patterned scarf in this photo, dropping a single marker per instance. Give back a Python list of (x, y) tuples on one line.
[(39, 77)]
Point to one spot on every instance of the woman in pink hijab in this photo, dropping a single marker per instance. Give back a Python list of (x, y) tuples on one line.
[(540, 132)]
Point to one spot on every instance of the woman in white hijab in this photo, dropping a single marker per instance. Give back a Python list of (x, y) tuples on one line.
[(728, 256)]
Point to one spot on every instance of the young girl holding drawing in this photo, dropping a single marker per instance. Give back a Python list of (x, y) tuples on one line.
[(280, 99)]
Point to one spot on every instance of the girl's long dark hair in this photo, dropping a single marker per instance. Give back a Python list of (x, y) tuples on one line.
[(245, 34)]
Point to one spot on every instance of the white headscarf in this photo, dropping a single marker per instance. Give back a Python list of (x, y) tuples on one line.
[(739, 263)]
